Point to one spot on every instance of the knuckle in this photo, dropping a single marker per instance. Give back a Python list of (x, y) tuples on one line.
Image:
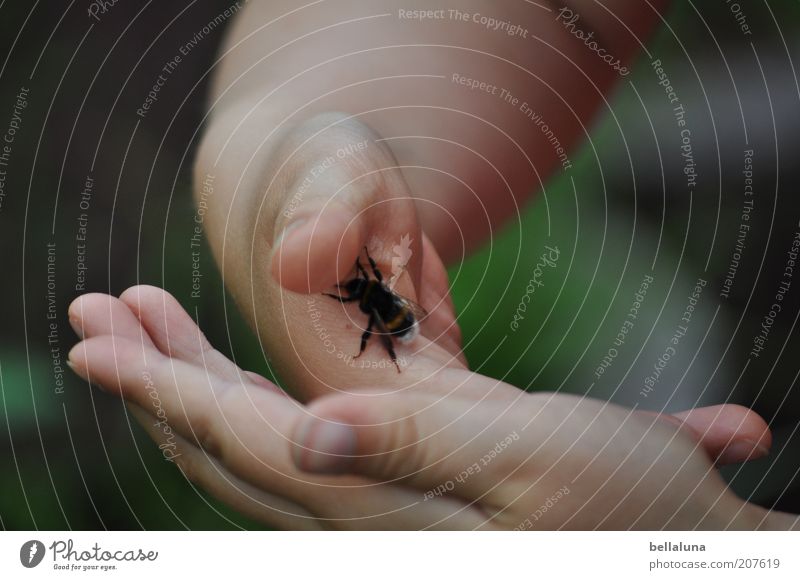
[(205, 434), (401, 454), (212, 431), (207, 440), (190, 466), (204, 354)]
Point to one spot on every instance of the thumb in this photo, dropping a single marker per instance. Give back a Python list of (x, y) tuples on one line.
[(345, 190), (416, 438), (318, 248), (727, 433)]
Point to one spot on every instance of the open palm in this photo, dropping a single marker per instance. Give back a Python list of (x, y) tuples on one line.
[(360, 445)]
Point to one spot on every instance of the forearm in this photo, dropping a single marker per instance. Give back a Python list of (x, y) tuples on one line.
[(471, 156)]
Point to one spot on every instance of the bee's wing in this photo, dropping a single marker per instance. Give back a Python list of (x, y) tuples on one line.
[(418, 311)]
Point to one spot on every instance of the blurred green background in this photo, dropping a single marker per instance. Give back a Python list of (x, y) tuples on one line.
[(75, 459)]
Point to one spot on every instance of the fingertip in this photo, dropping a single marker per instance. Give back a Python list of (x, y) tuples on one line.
[(86, 304), (75, 316), (135, 296), (729, 433), (740, 451), (753, 424), (728, 420), (82, 359), (76, 360), (104, 360), (75, 307)]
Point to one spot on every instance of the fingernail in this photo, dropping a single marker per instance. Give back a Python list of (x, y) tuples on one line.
[(287, 230), (324, 447), (77, 327), (77, 370), (742, 450)]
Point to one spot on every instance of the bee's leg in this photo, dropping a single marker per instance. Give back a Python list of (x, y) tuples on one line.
[(374, 266), (386, 338), (366, 335), (342, 298), (387, 343), (361, 269)]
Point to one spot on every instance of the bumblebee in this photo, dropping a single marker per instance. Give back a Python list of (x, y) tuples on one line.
[(394, 316)]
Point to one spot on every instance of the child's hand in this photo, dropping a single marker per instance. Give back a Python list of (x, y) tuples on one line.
[(463, 452)]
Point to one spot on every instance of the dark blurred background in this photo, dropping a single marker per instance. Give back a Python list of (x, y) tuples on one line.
[(71, 457)]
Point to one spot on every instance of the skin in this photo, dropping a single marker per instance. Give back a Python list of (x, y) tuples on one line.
[(379, 459), (358, 445)]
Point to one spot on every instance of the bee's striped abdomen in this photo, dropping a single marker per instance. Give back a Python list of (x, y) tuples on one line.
[(398, 320)]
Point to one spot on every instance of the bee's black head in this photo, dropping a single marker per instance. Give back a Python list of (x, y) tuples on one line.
[(355, 287)]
